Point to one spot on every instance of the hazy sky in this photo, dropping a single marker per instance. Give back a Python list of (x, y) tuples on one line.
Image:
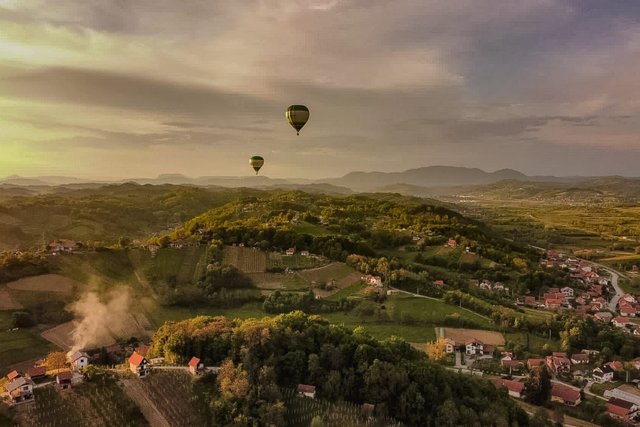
[(123, 88)]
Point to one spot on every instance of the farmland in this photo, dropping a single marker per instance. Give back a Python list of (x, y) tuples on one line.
[(18, 345), (463, 335), (245, 259), (47, 283)]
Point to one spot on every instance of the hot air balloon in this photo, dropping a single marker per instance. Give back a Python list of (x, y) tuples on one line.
[(256, 163), (297, 116)]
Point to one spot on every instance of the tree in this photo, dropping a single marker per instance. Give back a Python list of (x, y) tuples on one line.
[(56, 360), (537, 387), (437, 350), (21, 319), (233, 381)]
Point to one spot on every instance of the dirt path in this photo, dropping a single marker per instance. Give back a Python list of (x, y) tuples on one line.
[(134, 390)]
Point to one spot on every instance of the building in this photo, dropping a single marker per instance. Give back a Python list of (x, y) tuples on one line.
[(138, 365), (603, 316), (515, 388), (438, 282), (452, 243), (305, 390), (290, 251), (530, 301), (13, 375), (304, 253), (620, 322), (64, 379), (625, 392), (621, 409), (372, 280), (20, 389), (603, 374), (450, 345), (63, 245), (535, 363), (567, 292), (474, 347), (37, 372), (566, 395), (515, 366), (553, 303), (579, 358), (78, 360), (195, 366), (558, 364)]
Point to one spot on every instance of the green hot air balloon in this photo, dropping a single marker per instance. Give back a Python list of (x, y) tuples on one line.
[(297, 116), (256, 163)]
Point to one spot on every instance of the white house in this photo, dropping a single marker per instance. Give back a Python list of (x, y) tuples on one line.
[(603, 374), (78, 360), (567, 292), (474, 347), (20, 389), (450, 345)]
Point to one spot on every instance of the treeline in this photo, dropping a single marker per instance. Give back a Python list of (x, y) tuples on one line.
[(295, 348), (284, 302), (15, 265)]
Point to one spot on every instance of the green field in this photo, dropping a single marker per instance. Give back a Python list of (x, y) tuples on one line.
[(295, 261), (433, 311), (349, 291), (304, 227), (384, 329), (20, 345)]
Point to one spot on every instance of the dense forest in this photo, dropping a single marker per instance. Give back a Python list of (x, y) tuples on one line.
[(258, 355)]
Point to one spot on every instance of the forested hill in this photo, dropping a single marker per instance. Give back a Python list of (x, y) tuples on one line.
[(102, 213), (339, 226), (259, 355)]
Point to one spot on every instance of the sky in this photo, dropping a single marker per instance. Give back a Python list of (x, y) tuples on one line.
[(137, 88)]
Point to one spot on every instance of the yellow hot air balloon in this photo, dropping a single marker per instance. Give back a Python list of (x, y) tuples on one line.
[(297, 115), (256, 163)]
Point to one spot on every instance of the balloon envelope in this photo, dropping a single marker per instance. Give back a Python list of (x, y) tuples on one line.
[(256, 163), (297, 115)]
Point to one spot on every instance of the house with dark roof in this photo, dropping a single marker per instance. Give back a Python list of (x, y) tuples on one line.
[(579, 358), (63, 379), (566, 395), (78, 360), (603, 374), (37, 372), (139, 365)]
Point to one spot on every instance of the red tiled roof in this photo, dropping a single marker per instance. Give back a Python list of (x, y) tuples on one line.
[(565, 393), (135, 359), (616, 365), (12, 375), (559, 354), (305, 388), (618, 407), (194, 362), (580, 356), (532, 363), (515, 386)]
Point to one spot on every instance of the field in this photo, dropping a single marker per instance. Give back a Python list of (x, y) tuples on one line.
[(96, 404), (46, 283), (7, 302), (294, 262), (464, 335), (19, 345), (170, 392), (432, 311), (247, 260)]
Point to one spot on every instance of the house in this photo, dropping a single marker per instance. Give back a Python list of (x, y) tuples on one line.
[(304, 253), (506, 355), (450, 345), (138, 365), (616, 365), (627, 311), (63, 379), (567, 292), (603, 316), (37, 372), (625, 392), (13, 375), (438, 282), (63, 246), (554, 290), (372, 280), (535, 363), (290, 251), (579, 358), (553, 304), (558, 364), (620, 322), (78, 360), (20, 389), (621, 409), (305, 390), (566, 395), (393, 292), (603, 374), (514, 388), (629, 298), (474, 347), (530, 301), (559, 354), (515, 366), (195, 366), (452, 243)]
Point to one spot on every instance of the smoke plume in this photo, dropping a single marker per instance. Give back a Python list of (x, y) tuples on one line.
[(98, 319)]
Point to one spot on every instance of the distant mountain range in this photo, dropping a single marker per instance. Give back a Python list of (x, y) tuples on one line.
[(425, 181)]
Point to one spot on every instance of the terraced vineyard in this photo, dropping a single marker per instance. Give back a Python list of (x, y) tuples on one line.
[(247, 260)]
